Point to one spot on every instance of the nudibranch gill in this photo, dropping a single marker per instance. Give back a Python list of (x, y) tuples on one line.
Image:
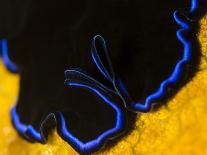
[(119, 58)]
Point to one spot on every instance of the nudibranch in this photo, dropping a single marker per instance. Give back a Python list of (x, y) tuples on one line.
[(119, 58)]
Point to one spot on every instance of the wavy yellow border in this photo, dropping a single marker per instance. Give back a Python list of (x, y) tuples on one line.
[(180, 127)]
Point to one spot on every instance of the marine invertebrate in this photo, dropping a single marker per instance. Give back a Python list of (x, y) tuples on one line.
[(48, 111)]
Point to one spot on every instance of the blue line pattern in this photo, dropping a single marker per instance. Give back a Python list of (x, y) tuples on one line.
[(6, 60), (76, 78), (23, 128), (173, 78), (96, 143)]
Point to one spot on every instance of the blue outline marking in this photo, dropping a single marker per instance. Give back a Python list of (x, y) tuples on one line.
[(99, 68), (89, 79), (137, 107), (123, 87), (6, 60), (22, 128), (98, 61), (83, 147), (96, 143), (194, 6), (144, 107)]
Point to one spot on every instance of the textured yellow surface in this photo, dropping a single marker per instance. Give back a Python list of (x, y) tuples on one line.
[(180, 127)]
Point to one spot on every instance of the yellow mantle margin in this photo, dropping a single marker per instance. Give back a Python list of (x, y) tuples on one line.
[(178, 128)]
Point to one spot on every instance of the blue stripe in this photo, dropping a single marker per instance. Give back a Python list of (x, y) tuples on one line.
[(6, 60)]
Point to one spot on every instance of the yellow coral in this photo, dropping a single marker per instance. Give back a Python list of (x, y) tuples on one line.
[(179, 127)]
